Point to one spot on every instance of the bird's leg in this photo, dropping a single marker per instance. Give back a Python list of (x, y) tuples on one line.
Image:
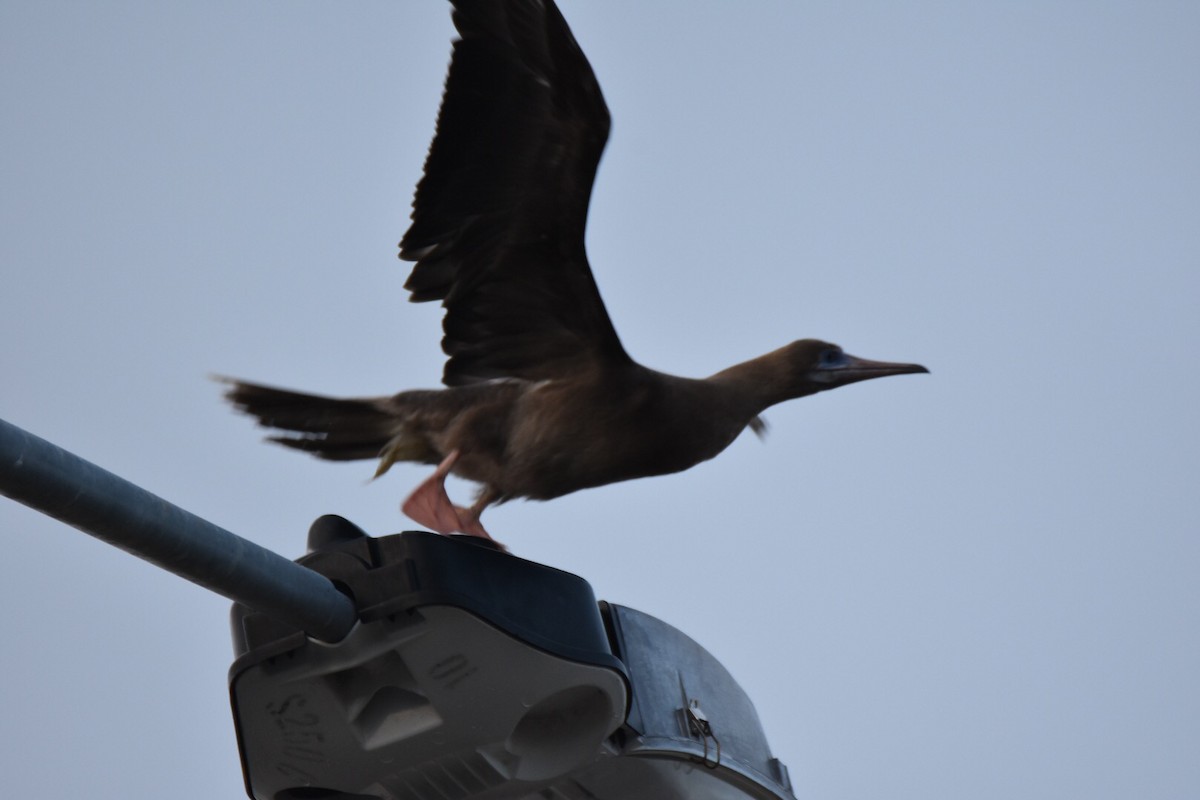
[(429, 504), (469, 517)]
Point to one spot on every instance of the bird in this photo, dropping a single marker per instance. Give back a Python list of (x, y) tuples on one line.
[(540, 397)]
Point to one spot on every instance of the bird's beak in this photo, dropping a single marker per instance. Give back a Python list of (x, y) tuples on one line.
[(853, 369)]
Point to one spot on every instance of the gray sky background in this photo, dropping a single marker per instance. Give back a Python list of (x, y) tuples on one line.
[(981, 583)]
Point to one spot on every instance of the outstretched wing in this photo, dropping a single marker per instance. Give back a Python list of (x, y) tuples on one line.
[(498, 220)]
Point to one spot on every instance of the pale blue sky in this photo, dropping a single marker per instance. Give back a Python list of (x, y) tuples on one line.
[(981, 583)]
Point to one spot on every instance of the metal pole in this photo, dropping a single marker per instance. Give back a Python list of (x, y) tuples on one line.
[(62, 485)]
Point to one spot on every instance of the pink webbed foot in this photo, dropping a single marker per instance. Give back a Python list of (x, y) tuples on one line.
[(430, 506)]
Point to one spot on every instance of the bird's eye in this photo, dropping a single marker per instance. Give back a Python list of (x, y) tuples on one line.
[(831, 357)]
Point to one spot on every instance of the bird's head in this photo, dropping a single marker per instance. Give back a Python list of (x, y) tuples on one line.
[(817, 366)]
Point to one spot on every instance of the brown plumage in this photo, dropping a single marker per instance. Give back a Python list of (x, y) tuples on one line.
[(541, 397)]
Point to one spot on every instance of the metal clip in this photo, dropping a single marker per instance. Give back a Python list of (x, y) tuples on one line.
[(699, 724)]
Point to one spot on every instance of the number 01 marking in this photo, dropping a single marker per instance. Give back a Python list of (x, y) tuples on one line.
[(452, 670)]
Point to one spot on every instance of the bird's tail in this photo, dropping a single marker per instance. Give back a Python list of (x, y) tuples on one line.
[(327, 427)]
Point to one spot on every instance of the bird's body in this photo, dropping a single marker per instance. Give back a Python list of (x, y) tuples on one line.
[(541, 398)]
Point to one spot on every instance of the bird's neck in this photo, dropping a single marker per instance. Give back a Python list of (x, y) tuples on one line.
[(761, 382)]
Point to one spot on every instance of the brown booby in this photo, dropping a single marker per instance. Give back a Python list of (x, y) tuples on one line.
[(541, 399)]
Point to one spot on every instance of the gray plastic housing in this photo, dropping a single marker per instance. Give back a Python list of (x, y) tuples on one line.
[(474, 675)]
